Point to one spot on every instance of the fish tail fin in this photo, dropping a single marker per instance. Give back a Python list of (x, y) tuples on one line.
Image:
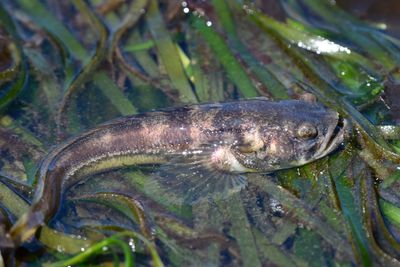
[(26, 227)]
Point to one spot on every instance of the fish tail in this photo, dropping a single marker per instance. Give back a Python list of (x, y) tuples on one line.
[(26, 226)]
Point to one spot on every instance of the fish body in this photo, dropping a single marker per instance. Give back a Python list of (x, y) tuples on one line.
[(219, 140)]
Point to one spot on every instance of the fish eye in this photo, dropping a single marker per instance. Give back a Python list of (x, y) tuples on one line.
[(307, 131)]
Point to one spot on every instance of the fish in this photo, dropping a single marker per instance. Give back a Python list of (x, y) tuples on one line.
[(209, 144)]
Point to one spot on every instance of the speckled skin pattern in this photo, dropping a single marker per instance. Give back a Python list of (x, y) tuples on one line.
[(243, 136)]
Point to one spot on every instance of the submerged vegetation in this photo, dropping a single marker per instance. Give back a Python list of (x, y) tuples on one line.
[(66, 66)]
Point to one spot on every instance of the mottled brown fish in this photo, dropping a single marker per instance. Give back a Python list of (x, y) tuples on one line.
[(214, 142)]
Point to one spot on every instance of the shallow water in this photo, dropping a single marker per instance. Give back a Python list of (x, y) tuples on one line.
[(69, 66)]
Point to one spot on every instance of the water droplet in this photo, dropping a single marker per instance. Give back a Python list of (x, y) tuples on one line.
[(132, 244), (60, 248)]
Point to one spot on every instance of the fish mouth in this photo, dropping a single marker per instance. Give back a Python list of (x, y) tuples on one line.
[(335, 137)]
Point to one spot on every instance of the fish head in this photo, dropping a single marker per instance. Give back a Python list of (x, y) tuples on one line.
[(299, 132)]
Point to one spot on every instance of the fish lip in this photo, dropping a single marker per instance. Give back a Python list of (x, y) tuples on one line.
[(336, 135)]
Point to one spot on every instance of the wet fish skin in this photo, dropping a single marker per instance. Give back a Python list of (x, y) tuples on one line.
[(234, 137)]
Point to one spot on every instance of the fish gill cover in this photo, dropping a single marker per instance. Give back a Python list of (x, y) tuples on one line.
[(67, 66)]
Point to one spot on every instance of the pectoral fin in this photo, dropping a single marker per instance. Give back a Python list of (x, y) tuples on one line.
[(193, 177)]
